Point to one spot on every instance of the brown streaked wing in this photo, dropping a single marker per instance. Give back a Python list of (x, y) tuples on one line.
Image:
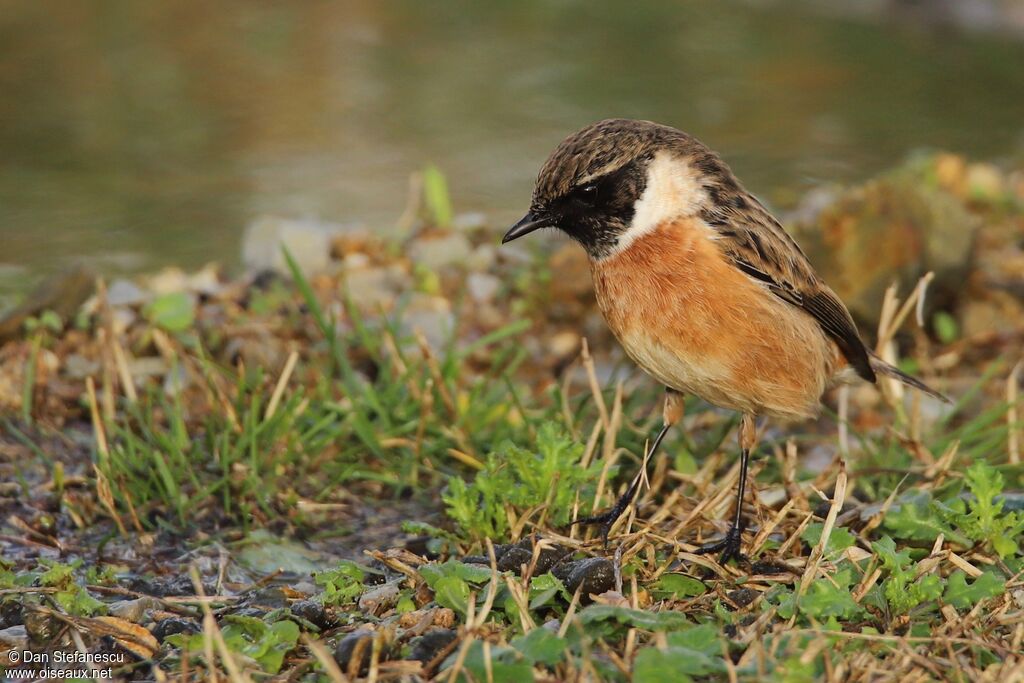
[(759, 247)]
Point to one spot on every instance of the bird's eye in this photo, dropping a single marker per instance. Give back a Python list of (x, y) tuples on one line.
[(587, 193)]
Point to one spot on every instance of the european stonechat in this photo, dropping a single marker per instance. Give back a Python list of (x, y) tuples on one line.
[(700, 284)]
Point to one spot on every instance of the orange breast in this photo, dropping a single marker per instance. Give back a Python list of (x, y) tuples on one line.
[(696, 323)]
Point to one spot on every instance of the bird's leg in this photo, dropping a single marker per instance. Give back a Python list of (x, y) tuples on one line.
[(672, 413), (730, 545)]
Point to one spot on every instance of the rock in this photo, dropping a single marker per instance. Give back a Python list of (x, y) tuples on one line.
[(14, 638), (514, 558), (429, 645), (482, 258), (564, 344), (313, 612), (898, 227), (62, 294), (595, 574), (372, 288), (431, 315), (356, 644), (173, 625), (126, 293), (468, 222), (308, 241), (483, 286), (743, 596), (378, 600), (437, 252), (132, 610), (77, 366)]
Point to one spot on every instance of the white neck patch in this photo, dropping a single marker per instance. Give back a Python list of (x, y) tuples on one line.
[(673, 190)]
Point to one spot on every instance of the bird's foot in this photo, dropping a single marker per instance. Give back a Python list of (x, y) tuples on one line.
[(604, 521), (730, 547)]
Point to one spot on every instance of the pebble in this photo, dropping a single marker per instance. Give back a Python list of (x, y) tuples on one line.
[(313, 612), (380, 599), (132, 610), (173, 625), (127, 293), (431, 315), (427, 646), (564, 344), (346, 649), (595, 574), (438, 252), (308, 241), (483, 286), (14, 638), (469, 221)]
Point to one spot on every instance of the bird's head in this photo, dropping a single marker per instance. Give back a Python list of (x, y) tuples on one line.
[(612, 181)]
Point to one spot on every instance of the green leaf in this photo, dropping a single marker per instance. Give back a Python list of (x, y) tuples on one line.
[(541, 646), (919, 519), (436, 197), (452, 592), (544, 588), (662, 666), (962, 595), (650, 621), (175, 312), (505, 666), (342, 585), (946, 328), (903, 589), (825, 599), (839, 540), (705, 639), (677, 586)]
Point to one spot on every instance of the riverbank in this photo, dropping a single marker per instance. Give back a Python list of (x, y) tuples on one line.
[(366, 451)]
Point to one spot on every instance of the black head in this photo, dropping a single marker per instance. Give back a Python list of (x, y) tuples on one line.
[(589, 186)]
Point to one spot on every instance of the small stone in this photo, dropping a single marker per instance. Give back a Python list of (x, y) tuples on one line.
[(132, 610), (380, 599), (565, 344), (313, 612), (483, 286), (127, 293), (356, 644), (371, 288), (79, 367), (14, 638), (431, 315), (444, 617), (482, 258), (595, 574), (355, 261), (470, 221), (743, 596), (514, 558), (429, 645), (308, 241), (439, 252), (173, 625)]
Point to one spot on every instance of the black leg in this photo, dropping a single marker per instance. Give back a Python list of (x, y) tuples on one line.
[(607, 518), (730, 545)]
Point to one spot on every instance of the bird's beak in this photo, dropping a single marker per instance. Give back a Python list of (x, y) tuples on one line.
[(525, 226)]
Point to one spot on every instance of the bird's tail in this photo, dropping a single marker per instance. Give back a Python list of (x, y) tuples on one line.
[(883, 368)]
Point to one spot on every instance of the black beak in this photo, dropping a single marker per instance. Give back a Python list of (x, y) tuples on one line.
[(525, 226)]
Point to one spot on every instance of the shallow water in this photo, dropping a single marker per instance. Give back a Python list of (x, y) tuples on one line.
[(139, 134)]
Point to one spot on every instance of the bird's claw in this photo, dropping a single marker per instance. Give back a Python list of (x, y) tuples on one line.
[(604, 522), (730, 547)]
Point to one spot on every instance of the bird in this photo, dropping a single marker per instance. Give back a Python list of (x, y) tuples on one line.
[(701, 286)]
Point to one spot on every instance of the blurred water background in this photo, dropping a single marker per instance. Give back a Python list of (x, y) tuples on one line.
[(139, 134)]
